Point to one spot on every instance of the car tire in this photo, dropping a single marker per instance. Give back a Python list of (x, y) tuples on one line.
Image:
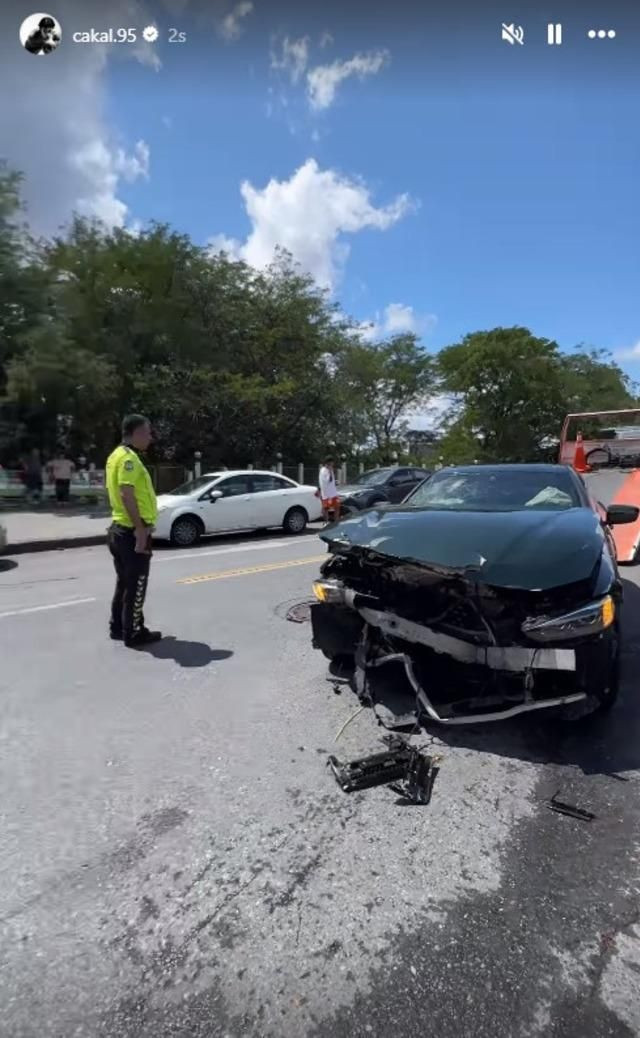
[(347, 509), (295, 521), (185, 532)]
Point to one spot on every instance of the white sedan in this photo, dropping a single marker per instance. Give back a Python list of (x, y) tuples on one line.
[(223, 502)]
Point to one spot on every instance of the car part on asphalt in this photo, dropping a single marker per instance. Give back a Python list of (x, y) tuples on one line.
[(405, 769), (485, 612), (561, 808), (417, 786)]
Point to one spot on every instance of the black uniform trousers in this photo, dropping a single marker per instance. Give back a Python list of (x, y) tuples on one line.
[(132, 576)]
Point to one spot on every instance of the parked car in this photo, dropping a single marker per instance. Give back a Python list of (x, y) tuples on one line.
[(493, 590), (3, 537), (221, 502), (379, 485)]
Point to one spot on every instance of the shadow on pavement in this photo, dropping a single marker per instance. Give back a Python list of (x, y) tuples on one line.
[(606, 745), (187, 654), (7, 564)]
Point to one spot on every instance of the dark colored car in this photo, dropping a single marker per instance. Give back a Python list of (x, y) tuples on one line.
[(493, 590), (378, 486)]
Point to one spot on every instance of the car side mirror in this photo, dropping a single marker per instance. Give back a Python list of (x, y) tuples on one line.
[(215, 495), (617, 515)]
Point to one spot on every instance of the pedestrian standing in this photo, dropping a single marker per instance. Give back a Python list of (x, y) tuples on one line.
[(134, 512), (62, 469), (329, 491)]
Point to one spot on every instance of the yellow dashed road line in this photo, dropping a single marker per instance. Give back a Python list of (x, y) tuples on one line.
[(248, 570)]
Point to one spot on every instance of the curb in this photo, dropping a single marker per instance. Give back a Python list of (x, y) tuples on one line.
[(59, 544)]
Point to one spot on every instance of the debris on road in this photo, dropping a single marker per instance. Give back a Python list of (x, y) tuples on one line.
[(405, 769), (561, 808)]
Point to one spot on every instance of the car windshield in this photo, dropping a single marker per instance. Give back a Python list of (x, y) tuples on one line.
[(373, 477), (194, 484), (509, 490)]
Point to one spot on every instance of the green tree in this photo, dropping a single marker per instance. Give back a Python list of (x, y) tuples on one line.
[(386, 383), (510, 384), (56, 377)]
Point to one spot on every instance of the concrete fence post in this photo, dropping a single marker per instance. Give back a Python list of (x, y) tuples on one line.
[(361, 468), (197, 466), (301, 472)]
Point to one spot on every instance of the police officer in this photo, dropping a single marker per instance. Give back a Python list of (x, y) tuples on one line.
[(134, 512)]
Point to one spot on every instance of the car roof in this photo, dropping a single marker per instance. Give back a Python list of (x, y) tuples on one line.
[(243, 472), (511, 467)]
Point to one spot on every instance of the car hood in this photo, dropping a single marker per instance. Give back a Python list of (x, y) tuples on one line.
[(532, 551), (352, 489), (172, 500)]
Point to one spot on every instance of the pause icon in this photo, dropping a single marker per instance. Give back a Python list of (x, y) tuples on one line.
[(554, 34)]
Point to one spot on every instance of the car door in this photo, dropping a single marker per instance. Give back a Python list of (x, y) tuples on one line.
[(400, 484), (232, 511), (272, 497)]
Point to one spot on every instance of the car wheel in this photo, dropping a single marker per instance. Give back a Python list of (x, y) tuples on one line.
[(185, 532), (347, 509), (295, 521)]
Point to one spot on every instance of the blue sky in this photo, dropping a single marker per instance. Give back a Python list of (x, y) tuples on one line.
[(463, 182)]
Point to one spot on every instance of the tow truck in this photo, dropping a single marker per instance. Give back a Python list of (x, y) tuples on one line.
[(604, 447)]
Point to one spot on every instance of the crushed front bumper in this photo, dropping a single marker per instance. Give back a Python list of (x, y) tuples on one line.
[(455, 681)]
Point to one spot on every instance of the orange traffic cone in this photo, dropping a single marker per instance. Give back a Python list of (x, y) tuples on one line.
[(579, 460)]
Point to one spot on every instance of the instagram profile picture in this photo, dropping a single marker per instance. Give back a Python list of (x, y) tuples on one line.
[(40, 33)]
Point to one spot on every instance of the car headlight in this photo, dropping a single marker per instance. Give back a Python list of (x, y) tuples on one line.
[(329, 592), (589, 619)]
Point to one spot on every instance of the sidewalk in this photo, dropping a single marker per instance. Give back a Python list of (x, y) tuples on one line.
[(46, 529)]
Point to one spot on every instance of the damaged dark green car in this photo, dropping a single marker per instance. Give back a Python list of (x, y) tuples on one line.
[(493, 590)]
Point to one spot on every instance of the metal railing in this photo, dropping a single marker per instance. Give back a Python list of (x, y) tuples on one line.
[(90, 482)]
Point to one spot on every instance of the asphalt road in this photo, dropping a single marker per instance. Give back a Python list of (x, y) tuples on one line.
[(176, 860)]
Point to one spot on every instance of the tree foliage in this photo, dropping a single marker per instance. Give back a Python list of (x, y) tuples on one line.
[(244, 364), (514, 390)]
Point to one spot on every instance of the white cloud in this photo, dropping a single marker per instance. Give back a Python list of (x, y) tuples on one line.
[(632, 353), (308, 215), (326, 40), (103, 168), (232, 25), (221, 243), (396, 319), (293, 58), (441, 406), (76, 160), (323, 80)]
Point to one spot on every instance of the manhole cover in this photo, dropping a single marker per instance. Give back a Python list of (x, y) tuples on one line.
[(300, 613), (294, 610)]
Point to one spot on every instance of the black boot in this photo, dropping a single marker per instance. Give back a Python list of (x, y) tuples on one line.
[(143, 637)]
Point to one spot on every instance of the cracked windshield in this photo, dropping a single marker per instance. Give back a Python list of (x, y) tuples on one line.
[(319, 519)]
